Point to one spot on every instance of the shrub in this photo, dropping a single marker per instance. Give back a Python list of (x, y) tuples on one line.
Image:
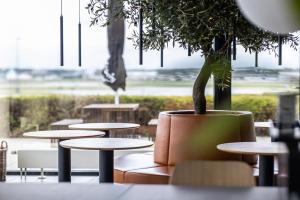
[(41, 111)]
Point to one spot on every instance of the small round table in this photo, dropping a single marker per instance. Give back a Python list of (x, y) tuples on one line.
[(106, 147), (266, 152), (64, 155), (106, 127)]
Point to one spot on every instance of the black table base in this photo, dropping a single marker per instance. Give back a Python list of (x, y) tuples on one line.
[(266, 170), (64, 164), (106, 166), (107, 134)]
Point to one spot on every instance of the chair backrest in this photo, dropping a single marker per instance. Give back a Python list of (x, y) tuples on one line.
[(213, 173)]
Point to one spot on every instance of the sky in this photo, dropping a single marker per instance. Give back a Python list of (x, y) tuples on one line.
[(32, 27)]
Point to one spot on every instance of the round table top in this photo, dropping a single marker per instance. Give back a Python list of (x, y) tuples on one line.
[(106, 143), (262, 124), (63, 134), (103, 126), (251, 148)]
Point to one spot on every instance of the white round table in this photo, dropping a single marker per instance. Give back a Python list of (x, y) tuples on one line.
[(266, 152), (106, 147), (64, 155), (106, 127)]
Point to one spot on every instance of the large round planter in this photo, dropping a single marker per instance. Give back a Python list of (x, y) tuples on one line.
[(184, 135)]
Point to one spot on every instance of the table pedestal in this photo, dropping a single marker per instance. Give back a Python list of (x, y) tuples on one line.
[(64, 164), (106, 166), (266, 170), (107, 134)]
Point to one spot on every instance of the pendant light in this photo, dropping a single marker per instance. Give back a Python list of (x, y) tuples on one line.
[(234, 47), (162, 56), (141, 34), (173, 41), (279, 50), (61, 36), (162, 49), (256, 59), (79, 36), (189, 50)]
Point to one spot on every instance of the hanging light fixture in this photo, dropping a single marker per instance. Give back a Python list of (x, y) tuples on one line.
[(234, 48), (256, 59), (173, 41), (61, 36), (79, 36), (141, 34), (162, 56), (162, 48), (189, 50), (280, 49)]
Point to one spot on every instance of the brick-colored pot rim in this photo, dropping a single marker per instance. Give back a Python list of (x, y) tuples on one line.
[(191, 113)]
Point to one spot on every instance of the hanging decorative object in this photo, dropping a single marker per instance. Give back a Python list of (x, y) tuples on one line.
[(162, 56), (279, 50), (189, 50), (141, 34), (234, 47), (256, 59), (79, 36), (162, 48), (173, 42), (61, 36)]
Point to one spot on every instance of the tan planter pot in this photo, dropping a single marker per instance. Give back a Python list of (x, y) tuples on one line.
[(183, 135)]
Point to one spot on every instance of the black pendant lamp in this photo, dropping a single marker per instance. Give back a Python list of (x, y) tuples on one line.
[(256, 59), (162, 56), (79, 36), (189, 50), (141, 34), (234, 48), (61, 36), (173, 41), (162, 49), (280, 50)]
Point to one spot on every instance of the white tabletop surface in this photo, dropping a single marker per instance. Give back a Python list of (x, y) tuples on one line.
[(63, 134), (106, 143), (251, 148), (104, 126)]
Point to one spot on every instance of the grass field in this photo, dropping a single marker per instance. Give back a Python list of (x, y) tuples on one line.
[(167, 88)]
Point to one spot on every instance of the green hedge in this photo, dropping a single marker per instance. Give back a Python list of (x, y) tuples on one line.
[(26, 112)]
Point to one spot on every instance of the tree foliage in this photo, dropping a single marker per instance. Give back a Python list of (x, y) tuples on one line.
[(195, 24), (190, 22)]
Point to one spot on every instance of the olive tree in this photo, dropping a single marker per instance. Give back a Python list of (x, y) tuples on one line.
[(196, 24)]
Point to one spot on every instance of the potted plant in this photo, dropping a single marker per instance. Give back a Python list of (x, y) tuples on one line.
[(211, 27)]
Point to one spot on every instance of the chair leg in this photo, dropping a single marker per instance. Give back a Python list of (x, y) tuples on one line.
[(25, 174), (21, 173), (42, 176)]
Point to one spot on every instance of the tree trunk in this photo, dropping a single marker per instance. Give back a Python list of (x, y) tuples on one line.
[(200, 85)]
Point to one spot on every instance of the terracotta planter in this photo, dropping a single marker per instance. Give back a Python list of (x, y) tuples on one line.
[(183, 135)]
